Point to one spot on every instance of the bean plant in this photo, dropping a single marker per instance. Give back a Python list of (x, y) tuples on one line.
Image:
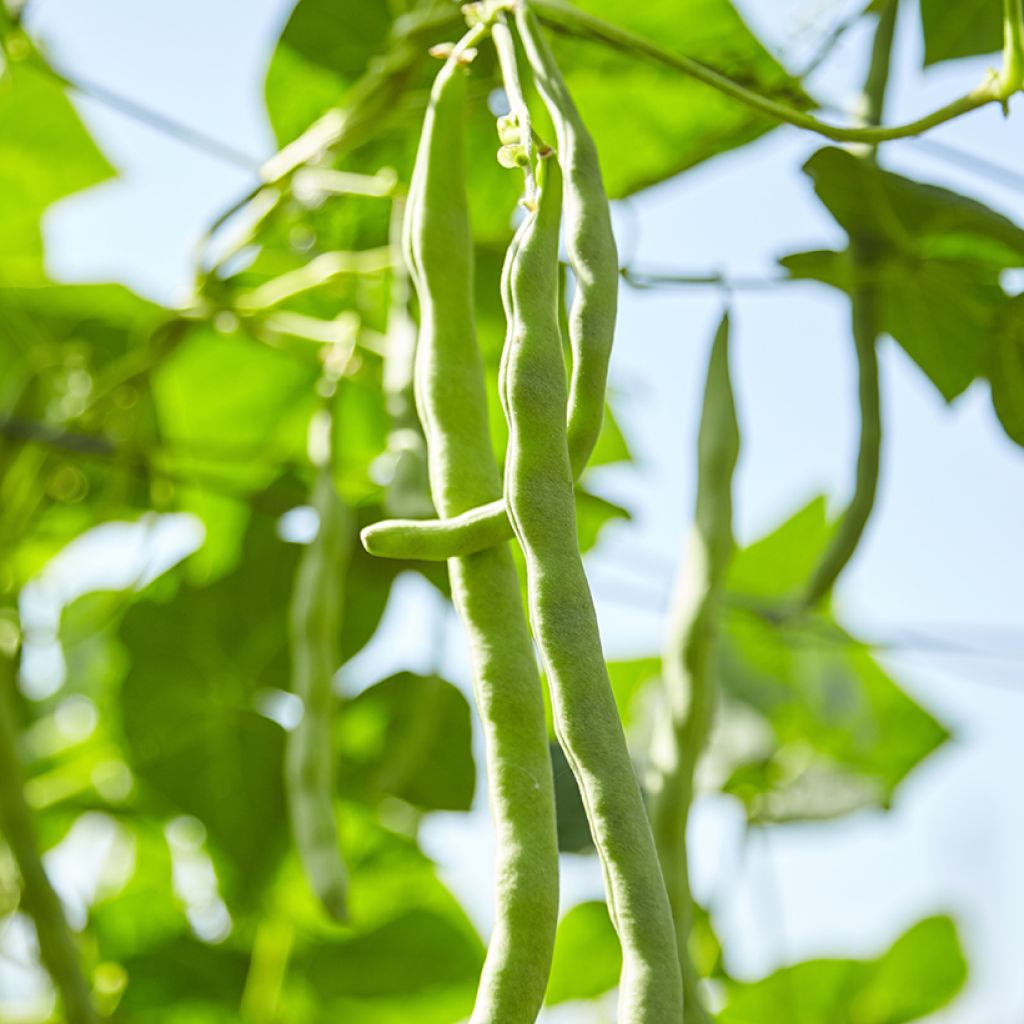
[(392, 372)]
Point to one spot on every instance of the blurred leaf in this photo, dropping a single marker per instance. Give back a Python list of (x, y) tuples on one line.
[(674, 122), (961, 29), (939, 256), (197, 663), (843, 732), (144, 913), (592, 515), (588, 958), (183, 980), (418, 951), (921, 973), (235, 412), (571, 817), (628, 679), (45, 155), (777, 565), (410, 737)]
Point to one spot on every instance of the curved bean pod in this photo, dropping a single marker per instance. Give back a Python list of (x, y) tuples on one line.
[(590, 242), (539, 491), (594, 260), (452, 402), (309, 764)]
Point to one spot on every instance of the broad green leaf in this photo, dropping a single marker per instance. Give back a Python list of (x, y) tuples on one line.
[(842, 732), (409, 737), (199, 660), (939, 257), (919, 974), (674, 123), (143, 914), (232, 413), (417, 952), (916, 219), (45, 155), (183, 980), (939, 311), (588, 958), (777, 565), (960, 28)]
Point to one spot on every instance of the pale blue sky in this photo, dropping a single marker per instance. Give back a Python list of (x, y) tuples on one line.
[(943, 555)]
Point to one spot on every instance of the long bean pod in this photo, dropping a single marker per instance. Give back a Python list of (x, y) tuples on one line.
[(594, 261), (539, 490), (56, 946), (452, 402), (315, 616), (691, 649)]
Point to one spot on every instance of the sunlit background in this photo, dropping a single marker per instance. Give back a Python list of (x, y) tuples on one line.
[(937, 583)]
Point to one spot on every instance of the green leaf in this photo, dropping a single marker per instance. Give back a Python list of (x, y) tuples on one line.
[(921, 973), (409, 737), (963, 28), (592, 515), (937, 264), (919, 220), (588, 957), (45, 155), (629, 679), (198, 661), (232, 413), (421, 950), (841, 732), (183, 980), (570, 814), (1006, 369), (674, 122), (939, 311)]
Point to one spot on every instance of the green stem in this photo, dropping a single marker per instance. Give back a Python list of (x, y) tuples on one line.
[(866, 323), (56, 945), (559, 14)]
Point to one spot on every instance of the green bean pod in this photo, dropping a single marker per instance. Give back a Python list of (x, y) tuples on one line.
[(539, 491), (690, 659), (408, 492), (452, 401), (590, 243), (309, 764), (594, 260)]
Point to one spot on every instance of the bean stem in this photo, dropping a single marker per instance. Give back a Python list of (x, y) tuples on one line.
[(866, 328), (996, 88), (57, 947)]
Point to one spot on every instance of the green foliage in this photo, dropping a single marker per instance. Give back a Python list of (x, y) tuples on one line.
[(587, 955), (841, 733), (961, 29), (46, 154), (920, 973), (114, 410), (937, 262)]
